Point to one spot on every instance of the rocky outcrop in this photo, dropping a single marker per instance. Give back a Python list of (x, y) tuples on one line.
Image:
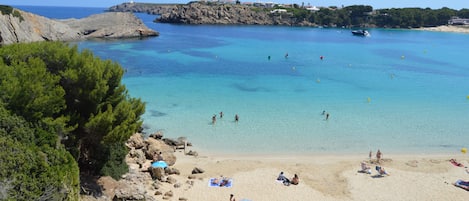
[(153, 9), (212, 13), (111, 25), (198, 13), (31, 28)]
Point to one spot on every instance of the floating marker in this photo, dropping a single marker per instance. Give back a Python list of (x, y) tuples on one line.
[(402, 57), (319, 81), (368, 99), (463, 150)]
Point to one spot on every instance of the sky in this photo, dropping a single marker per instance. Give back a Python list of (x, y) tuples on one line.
[(376, 4)]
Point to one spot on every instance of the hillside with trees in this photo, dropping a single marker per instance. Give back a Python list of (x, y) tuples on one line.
[(294, 14), (62, 112)]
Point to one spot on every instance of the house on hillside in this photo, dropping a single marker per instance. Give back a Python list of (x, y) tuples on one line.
[(278, 11), (458, 21)]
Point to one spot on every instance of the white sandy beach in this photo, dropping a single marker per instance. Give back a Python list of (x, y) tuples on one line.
[(335, 178), (447, 28)]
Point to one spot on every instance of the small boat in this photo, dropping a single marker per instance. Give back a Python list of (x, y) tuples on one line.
[(361, 32)]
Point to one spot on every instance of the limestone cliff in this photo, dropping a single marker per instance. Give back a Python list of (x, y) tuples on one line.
[(28, 27)]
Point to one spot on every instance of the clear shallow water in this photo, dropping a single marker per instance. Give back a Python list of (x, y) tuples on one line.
[(401, 91)]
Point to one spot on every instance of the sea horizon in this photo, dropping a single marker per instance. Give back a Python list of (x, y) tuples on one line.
[(401, 91)]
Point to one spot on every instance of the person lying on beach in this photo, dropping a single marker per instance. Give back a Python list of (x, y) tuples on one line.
[(224, 182), (295, 180), (381, 171), (456, 163), (365, 168), (215, 181)]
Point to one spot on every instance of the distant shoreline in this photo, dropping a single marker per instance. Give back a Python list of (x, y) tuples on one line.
[(447, 28)]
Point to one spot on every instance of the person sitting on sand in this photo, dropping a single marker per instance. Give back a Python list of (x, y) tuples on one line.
[(365, 168), (157, 157), (281, 177), (295, 180)]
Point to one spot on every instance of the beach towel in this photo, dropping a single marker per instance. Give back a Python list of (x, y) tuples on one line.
[(462, 184), (213, 184)]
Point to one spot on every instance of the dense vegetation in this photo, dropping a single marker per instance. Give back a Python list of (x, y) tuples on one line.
[(362, 15), (7, 10), (61, 110)]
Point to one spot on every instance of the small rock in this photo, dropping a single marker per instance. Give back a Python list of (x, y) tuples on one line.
[(171, 171), (158, 193), (177, 185), (197, 170), (171, 180), (192, 153), (182, 199), (158, 135), (169, 194), (191, 176)]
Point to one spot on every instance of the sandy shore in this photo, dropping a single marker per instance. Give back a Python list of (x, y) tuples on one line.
[(412, 177), (447, 28)]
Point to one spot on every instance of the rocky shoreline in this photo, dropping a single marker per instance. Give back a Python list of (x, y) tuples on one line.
[(144, 182), (30, 27)]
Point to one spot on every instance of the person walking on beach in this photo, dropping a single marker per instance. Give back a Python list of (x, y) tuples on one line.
[(236, 118), (378, 156), (370, 155), (232, 198)]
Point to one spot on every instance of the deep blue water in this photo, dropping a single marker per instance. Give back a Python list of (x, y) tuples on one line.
[(61, 12), (398, 90)]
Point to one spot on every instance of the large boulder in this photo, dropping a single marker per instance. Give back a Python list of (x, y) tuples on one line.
[(132, 187), (136, 141), (155, 146)]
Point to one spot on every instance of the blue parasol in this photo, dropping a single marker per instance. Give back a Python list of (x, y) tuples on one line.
[(159, 164)]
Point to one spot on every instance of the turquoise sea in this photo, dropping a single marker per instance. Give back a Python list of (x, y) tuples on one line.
[(402, 91)]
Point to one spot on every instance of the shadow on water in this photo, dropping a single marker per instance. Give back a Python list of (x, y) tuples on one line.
[(155, 113)]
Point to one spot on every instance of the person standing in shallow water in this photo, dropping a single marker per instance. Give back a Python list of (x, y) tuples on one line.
[(221, 115), (378, 156), (236, 118), (214, 119), (327, 116)]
